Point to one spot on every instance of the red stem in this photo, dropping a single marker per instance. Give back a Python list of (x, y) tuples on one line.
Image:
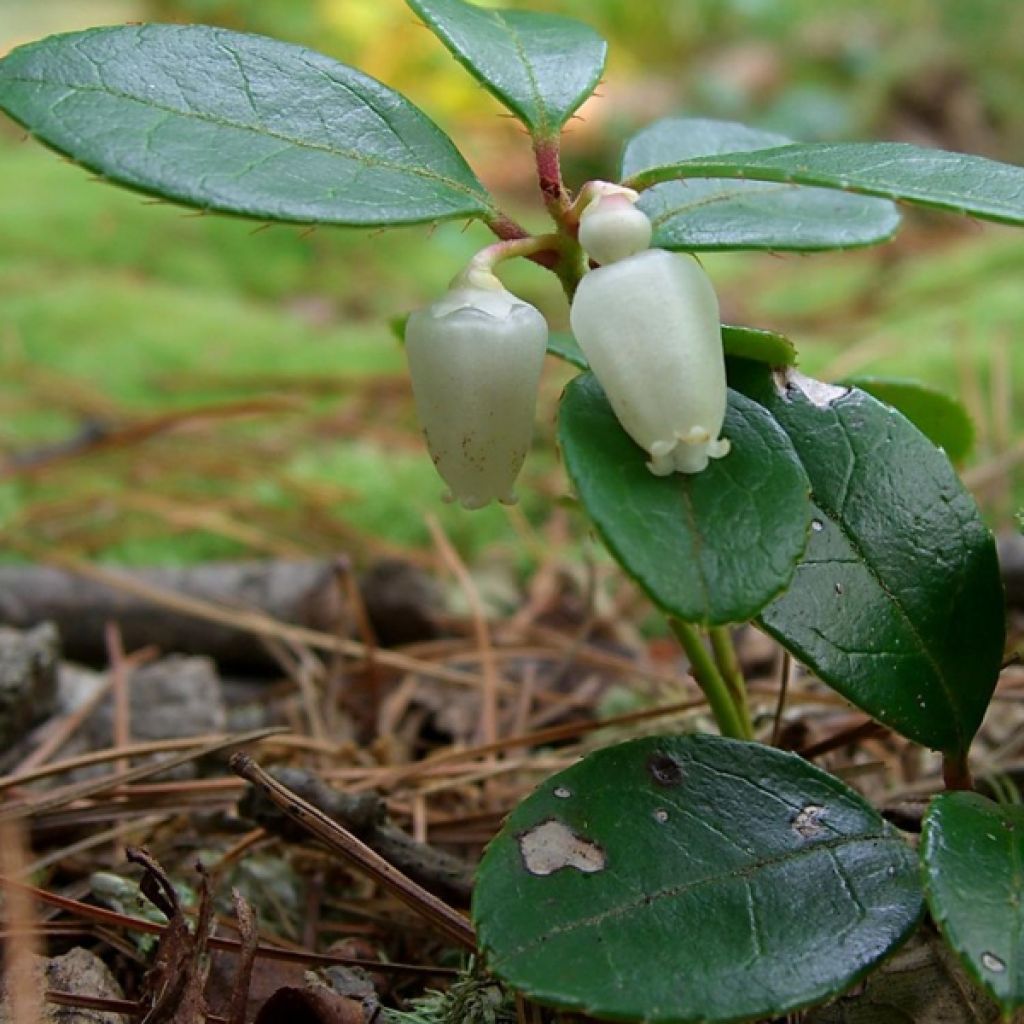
[(549, 172), (507, 230), (955, 772)]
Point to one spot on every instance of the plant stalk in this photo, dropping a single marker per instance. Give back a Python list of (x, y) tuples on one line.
[(729, 666), (710, 680), (549, 177), (956, 773)]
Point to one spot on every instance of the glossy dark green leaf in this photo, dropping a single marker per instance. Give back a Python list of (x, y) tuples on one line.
[(973, 855), (934, 413), (692, 878), (897, 603), (540, 66), (711, 547), (892, 170), (240, 124), (704, 213), (738, 342), (761, 346)]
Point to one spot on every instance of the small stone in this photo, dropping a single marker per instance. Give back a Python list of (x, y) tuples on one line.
[(28, 678), (175, 697), (78, 972)]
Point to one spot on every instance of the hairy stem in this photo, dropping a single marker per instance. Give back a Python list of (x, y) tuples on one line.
[(549, 177), (729, 666), (506, 228), (710, 680)]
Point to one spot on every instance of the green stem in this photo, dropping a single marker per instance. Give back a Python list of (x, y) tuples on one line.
[(557, 252), (710, 680), (481, 266), (729, 667)]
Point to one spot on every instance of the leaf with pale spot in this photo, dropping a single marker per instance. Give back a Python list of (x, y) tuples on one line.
[(897, 602), (692, 879), (972, 851)]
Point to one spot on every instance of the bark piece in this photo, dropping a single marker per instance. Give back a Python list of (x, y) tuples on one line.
[(300, 593), (365, 816)]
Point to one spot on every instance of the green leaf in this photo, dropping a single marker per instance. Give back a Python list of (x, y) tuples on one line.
[(239, 124), (897, 603), (692, 878), (973, 856), (540, 66), (566, 347), (709, 214), (893, 170), (761, 346), (738, 342), (941, 418), (710, 547)]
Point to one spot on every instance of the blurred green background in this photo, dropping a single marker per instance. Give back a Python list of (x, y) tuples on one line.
[(176, 387)]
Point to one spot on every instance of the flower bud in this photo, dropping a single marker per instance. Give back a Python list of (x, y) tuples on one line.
[(611, 227), (475, 358), (649, 327)]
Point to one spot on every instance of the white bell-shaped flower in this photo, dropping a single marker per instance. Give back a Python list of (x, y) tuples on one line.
[(649, 327), (475, 359)]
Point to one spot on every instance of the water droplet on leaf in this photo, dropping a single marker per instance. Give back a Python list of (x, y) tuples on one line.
[(991, 962)]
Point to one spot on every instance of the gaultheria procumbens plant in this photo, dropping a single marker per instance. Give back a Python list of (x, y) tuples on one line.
[(683, 878)]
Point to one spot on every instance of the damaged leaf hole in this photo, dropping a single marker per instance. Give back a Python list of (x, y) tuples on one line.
[(664, 770), (552, 846), (808, 823), (562, 792), (818, 393), (661, 815)]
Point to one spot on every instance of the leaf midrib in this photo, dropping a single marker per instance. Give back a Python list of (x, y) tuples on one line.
[(543, 125), (353, 155), (744, 166), (722, 197), (893, 598), (745, 872)]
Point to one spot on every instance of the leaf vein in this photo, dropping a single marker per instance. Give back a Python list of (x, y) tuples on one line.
[(355, 156), (743, 873)]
